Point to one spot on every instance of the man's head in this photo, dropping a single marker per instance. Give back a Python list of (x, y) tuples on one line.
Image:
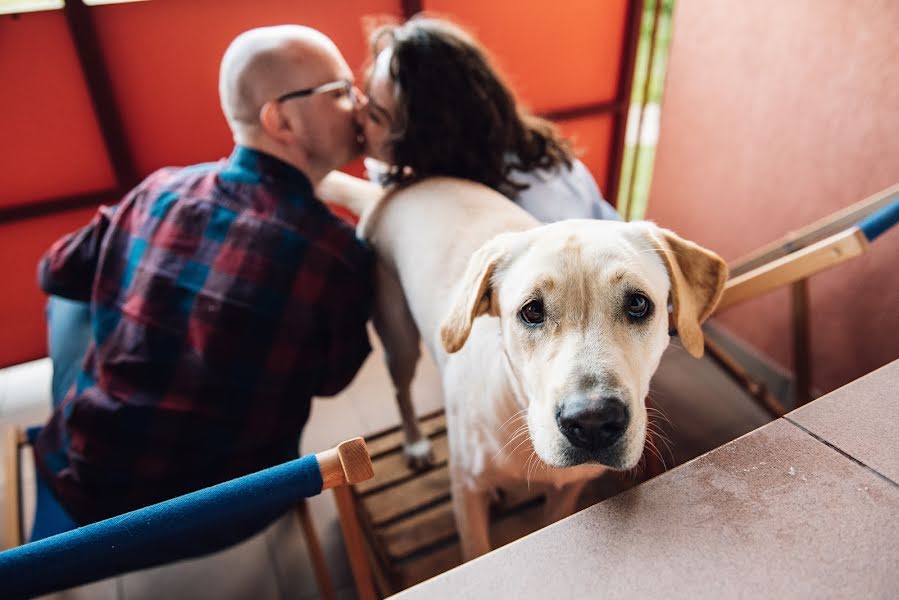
[(273, 86)]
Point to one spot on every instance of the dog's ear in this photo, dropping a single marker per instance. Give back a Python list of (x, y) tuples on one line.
[(474, 296), (697, 282)]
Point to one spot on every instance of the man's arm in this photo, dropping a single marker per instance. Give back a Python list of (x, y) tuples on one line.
[(68, 267), (351, 301)]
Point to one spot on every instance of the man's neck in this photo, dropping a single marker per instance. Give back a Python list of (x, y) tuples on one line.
[(292, 157)]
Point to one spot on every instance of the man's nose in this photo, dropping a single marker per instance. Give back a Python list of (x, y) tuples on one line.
[(360, 107), (360, 100)]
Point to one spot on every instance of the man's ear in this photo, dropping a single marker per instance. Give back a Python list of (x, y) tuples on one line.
[(697, 282), (475, 294), (274, 122)]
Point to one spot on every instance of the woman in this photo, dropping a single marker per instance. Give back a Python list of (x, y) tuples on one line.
[(437, 107)]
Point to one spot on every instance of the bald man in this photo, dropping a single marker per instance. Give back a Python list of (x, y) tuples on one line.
[(222, 296)]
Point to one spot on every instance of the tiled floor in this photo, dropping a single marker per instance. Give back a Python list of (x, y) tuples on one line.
[(706, 411)]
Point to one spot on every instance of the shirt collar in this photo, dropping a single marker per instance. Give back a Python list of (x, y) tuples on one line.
[(253, 166)]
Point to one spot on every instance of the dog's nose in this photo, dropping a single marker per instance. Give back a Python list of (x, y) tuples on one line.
[(592, 423)]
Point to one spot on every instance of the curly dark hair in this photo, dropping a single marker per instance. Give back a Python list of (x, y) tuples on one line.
[(455, 114)]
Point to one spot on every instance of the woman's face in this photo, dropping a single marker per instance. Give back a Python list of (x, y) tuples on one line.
[(377, 117)]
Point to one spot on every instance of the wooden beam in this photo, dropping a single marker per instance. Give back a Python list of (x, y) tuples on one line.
[(615, 107), (815, 232), (99, 86), (53, 206), (411, 8), (798, 265)]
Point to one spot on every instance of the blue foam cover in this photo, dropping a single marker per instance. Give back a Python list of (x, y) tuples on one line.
[(191, 525), (877, 223)]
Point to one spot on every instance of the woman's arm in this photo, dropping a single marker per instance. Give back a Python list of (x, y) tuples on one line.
[(352, 193)]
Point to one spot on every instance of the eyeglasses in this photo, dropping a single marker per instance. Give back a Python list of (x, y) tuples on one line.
[(345, 85)]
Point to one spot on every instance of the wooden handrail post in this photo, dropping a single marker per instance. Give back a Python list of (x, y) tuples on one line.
[(802, 343), (341, 467), (14, 535), (319, 564), (355, 543)]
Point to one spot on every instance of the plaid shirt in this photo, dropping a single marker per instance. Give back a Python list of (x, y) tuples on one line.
[(223, 297)]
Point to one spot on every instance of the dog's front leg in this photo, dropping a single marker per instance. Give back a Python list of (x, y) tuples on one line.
[(562, 501), (471, 508), (397, 331)]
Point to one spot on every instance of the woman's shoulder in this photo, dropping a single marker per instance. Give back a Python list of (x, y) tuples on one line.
[(562, 193)]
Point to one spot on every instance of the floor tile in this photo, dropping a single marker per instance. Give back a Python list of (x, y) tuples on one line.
[(775, 513), (860, 419)]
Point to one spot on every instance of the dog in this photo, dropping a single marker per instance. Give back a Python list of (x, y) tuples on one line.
[(546, 336)]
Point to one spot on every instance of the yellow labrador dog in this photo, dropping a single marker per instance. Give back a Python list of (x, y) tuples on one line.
[(546, 336)]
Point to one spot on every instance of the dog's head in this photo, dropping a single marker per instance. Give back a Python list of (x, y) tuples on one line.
[(583, 309)]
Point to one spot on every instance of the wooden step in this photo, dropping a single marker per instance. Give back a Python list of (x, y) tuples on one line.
[(391, 468), (391, 440), (409, 497), (503, 530), (407, 516)]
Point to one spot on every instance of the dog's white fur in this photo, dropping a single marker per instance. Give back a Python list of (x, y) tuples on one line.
[(457, 262)]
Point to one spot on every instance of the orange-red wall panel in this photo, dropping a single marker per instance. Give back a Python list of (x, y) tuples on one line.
[(164, 57), (22, 327), (50, 142), (592, 137), (555, 54)]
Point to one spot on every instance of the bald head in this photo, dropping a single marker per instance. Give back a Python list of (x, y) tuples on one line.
[(264, 63)]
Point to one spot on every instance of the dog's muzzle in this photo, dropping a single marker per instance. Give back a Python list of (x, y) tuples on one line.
[(592, 422)]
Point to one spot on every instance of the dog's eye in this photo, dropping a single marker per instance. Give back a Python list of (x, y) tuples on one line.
[(532, 312), (638, 306)]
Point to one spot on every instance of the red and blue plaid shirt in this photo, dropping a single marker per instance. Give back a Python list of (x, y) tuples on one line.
[(223, 298)]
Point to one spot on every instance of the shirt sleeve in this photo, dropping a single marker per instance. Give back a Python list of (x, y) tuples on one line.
[(350, 307), (68, 267)]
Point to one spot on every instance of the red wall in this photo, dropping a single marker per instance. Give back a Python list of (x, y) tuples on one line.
[(162, 59), (555, 54), (50, 143), (164, 56), (776, 115)]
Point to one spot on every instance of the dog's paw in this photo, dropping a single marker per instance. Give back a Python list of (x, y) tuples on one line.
[(420, 454)]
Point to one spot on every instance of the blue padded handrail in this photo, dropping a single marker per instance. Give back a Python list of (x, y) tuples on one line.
[(875, 224), (184, 527)]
